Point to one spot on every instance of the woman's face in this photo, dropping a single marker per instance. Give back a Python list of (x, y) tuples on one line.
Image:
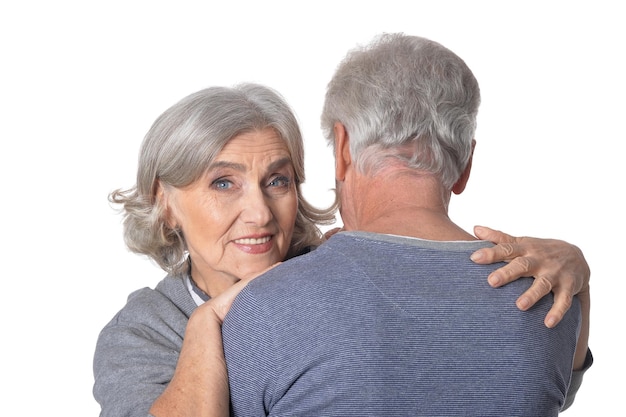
[(238, 218)]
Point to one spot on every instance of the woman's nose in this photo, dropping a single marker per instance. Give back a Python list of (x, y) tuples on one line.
[(256, 209)]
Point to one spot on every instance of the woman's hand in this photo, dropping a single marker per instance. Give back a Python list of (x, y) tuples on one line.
[(332, 232), (556, 265)]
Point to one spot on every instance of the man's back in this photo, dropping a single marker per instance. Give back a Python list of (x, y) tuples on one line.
[(377, 325)]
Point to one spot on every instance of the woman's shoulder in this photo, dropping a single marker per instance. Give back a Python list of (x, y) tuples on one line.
[(168, 305)]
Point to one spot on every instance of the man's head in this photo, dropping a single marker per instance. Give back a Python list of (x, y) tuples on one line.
[(406, 97)]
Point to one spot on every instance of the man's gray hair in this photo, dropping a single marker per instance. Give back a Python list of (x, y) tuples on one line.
[(409, 98)]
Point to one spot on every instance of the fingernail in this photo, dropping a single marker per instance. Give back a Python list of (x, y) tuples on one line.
[(550, 322), (476, 256), (523, 303), (494, 280)]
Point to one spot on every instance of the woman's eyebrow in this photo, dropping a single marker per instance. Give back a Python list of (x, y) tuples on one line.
[(279, 163), (225, 164)]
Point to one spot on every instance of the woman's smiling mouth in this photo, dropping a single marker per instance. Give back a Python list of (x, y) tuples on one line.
[(253, 241)]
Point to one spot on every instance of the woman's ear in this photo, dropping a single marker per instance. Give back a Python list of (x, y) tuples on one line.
[(163, 195), (460, 184), (343, 158)]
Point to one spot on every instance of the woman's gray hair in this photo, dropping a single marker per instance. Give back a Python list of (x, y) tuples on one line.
[(180, 146), (405, 97)]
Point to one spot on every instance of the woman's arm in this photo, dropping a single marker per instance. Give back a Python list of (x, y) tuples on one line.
[(582, 357), (199, 386), (583, 338)]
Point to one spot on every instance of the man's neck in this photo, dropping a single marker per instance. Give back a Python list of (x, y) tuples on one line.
[(415, 223), (399, 204)]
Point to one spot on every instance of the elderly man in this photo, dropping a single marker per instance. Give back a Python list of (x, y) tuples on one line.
[(390, 316)]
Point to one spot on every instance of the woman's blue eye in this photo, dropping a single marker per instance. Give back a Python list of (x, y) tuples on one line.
[(280, 182), (221, 184)]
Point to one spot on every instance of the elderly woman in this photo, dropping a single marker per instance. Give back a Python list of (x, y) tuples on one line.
[(217, 202)]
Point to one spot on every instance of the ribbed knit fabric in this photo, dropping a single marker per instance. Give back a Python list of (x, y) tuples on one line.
[(138, 349), (377, 325)]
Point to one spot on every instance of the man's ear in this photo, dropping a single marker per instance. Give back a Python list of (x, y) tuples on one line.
[(343, 158), (460, 184)]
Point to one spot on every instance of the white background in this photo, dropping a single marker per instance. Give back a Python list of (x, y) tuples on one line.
[(81, 82)]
